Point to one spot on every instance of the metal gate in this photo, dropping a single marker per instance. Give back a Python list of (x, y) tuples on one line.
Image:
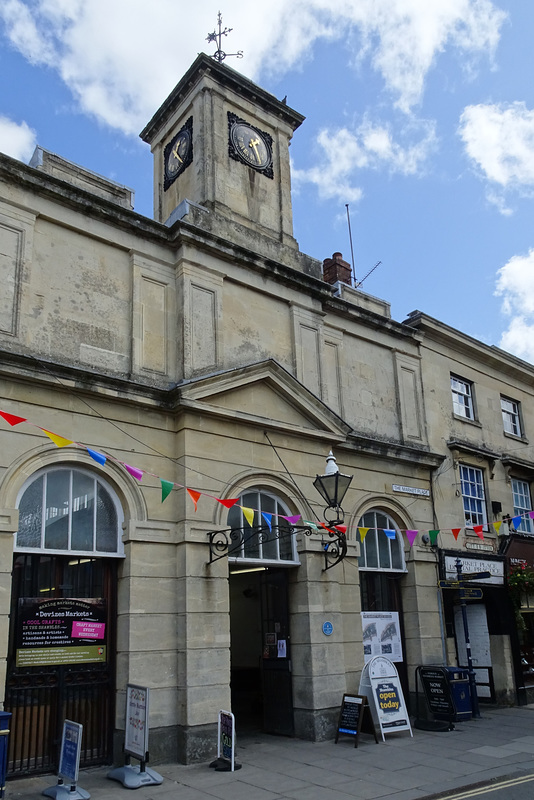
[(40, 698)]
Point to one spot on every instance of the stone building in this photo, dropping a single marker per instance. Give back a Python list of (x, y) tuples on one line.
[(202, 352)]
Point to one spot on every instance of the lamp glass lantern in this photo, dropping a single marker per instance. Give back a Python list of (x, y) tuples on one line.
[(333, 486)]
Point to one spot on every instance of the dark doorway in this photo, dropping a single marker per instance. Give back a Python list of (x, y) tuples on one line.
[(41, 697), (260, 651)]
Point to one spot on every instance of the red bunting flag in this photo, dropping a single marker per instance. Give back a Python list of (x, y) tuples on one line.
[(227, 503), (478, 530), (194, 496), (342, 529), (11, 418), (455, 532)]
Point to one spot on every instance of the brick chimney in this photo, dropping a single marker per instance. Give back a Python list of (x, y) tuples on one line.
[(335, 269)]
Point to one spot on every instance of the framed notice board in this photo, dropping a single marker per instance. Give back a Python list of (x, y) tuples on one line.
[(355, 717)]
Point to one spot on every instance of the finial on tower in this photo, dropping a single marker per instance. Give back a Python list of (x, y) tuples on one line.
[(219, 54)]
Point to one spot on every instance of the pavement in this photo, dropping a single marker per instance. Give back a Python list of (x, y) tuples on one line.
[(499, 744)]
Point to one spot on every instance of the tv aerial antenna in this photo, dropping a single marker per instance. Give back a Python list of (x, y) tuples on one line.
[(357, 286), (356, 283), (219, 54)]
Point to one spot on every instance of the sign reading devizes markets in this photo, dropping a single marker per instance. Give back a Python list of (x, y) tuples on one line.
[(355, 718), (60, 631)]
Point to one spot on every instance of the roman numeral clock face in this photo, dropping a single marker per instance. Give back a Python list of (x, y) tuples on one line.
[(250, 145), (178, 153)]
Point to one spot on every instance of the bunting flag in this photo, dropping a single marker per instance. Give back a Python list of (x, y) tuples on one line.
[(248, 513), (100, 458), (166, 489), (11, 418), (60, 441), (411, 536), (227, 503), (134, 472), (195, 496), (267, 517)]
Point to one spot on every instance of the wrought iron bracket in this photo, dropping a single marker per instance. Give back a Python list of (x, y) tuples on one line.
[(229, 541)]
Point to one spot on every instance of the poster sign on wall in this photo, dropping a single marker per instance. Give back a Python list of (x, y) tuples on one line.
[(381, 635), (380, 683), (60, 631)]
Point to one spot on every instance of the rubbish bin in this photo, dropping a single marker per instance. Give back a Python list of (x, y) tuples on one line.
[(5, 719), (458, 680)]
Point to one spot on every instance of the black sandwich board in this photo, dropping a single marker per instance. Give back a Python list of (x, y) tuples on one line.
[(355, 717), (437, 692)]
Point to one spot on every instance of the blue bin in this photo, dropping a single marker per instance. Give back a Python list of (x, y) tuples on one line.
[(5, 720), (458, 679)]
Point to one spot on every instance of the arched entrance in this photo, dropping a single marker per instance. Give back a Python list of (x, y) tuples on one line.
[(63, 611), (259, 566)]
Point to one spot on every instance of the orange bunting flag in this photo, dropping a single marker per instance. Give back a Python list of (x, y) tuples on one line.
[(195, 496), (11, 418), (227, 503), (497, 525), (326, 527), (478, 530), (455, 532), (363, 533), (248, 513), (60, 441)]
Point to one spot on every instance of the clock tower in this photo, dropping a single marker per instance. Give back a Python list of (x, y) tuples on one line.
[(221, 157)]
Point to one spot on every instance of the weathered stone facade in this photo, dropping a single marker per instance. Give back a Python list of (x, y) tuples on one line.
[(206, 350)]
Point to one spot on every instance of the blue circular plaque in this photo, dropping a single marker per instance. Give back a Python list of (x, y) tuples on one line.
[(328, 628)]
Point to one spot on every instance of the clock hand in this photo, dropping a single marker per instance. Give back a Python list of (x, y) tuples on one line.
[(176, 153), (254, 145)]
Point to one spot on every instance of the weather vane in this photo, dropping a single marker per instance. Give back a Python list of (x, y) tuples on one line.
[(219, 54)]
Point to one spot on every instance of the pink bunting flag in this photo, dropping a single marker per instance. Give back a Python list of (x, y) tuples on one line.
[(227, 503), (411, 536), (11, 418), (478, 530), (292, 520), (134, 472), (195, 496)]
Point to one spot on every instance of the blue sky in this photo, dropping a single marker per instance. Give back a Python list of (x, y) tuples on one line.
[(419, 114)]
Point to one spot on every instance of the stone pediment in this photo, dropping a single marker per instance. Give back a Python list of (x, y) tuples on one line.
[(264, 394)]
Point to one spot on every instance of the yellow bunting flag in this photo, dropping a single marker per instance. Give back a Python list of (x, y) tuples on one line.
[(363, 533), (194, 496), (248, 514), (60, 441), (497, 525)]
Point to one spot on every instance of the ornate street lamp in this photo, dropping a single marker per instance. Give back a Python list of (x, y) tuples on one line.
[(332, 486)]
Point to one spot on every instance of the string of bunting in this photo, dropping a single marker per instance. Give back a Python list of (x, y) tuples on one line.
[(167, 486)]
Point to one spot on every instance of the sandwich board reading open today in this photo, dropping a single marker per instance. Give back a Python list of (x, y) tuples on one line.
[(380, 683)]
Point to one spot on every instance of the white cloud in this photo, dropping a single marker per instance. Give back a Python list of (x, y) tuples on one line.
[(120, 58), (16, 140), (369, 146), (499, 139), (515, 284)]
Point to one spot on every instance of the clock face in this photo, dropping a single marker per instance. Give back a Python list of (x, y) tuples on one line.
[(178, 153), (250, 145)]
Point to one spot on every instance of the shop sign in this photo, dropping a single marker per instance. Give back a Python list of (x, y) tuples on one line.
[(60, 631), (380, 683), (495, 568), (381, 635), (136, 733)]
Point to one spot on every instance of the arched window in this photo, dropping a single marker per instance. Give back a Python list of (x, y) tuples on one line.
[(63, 509), (380, 550), (261, 542)]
